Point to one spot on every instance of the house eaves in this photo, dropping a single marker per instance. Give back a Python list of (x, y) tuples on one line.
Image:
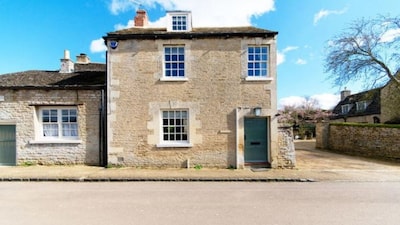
[(196, 33)]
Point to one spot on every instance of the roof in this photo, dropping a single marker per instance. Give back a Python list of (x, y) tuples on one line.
[(86, 76), (372, 97), (161, 33)]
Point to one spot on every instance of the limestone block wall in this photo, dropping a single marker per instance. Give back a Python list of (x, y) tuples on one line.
[(20, 108), (390, 101), (287, 153), (214, 89), (370, 141), (359, 119)]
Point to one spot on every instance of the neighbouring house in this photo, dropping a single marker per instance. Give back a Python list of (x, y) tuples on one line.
[(379, 105), (54, 117), (182, 96), (363, 107)]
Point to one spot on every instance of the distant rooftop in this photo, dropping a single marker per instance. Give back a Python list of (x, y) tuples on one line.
[(85, 76)]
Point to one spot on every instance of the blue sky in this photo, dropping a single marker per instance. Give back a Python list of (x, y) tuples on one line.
[(35, 33)]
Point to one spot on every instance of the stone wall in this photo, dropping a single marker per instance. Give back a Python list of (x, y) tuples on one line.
[(390, 101), (369, 141), (20, 108), (287, 154), (358, 119)]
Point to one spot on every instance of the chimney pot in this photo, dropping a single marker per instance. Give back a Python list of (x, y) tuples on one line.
[(66, 54)]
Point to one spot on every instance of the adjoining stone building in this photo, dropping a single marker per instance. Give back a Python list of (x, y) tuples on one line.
[(53, 117), (182, 96)]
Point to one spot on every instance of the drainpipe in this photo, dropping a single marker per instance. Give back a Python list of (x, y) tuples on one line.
[(103, 130), (103, 151), (105, 114)]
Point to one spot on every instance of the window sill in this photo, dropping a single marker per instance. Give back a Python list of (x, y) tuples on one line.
[(174, 79), (64, 141), (259, 78), (174, 145)]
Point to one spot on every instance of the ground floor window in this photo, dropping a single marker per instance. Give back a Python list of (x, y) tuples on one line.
[(60, 123), (175, 126)]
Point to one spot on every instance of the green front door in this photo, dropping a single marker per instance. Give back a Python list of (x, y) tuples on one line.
[(7, 145), (256, 140)]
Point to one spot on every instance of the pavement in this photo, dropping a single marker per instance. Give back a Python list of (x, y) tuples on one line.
[(312, 165)]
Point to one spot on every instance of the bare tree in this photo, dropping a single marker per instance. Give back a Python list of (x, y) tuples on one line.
[(368, 51)]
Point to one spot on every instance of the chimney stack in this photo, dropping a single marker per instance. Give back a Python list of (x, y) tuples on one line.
[(82, 59), (344, 94), (141, 19), (67, 66)]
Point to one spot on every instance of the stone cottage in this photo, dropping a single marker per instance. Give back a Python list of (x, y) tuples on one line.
[(363, 107), (378, 105), (181, 96), (54, 117)]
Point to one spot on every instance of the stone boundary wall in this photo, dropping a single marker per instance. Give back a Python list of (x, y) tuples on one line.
[(373, 142), (286, 151)]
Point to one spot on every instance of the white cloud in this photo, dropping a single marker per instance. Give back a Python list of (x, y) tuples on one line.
[(291, 101), (280, 58), (117, 6), (324, 13), (98, 46), (281, 55), (325, 101), (390, 35), (205, 12), (290, 48), (301, 62)]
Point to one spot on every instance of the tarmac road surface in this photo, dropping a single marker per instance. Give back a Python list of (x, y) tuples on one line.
[(145, 203)]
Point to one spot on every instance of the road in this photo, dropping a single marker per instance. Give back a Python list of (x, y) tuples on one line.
[(188, 203)]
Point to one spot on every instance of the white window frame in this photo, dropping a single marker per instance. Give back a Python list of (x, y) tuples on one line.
[(255, 61), (175, 143), (178, 61), (361, 106), (346, 108), (60, 138), (179, 14)]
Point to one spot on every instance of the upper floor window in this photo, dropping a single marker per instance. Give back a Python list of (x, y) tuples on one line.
[(59, 123), (346, 108), (179, 21), (174, 62), (257, 61), (361, 106)]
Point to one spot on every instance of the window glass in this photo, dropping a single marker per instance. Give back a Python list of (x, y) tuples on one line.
[(361, 106), (175, 125), (257, 65), (59, 123), (174, 61), (179, 23)]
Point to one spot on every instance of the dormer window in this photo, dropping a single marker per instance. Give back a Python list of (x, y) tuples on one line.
[(179, 21), (346, 108), (361, 106)]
